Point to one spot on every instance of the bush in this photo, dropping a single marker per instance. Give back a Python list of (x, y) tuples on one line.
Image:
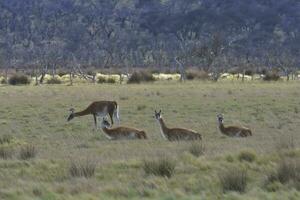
[(5, 139), (234, 179), (54, 81), (197, 149), (247, 156), (141, 76), (287, 172), (6, 152), (18, 80), (162, 167), (62, 73), (196, 74), (82, 169), (271, 76), (27, 152), (101, 80), (111, 80), (3, 81)]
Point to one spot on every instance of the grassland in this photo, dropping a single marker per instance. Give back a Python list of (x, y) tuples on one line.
[(36, 115)]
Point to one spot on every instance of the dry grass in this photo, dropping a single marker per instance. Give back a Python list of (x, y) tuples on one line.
[(233, 179), (27, 152), (37, 115)]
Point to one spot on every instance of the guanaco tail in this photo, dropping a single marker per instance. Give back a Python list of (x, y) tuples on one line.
[(121, 132), (172, 134), (99, 109), (233, 131)]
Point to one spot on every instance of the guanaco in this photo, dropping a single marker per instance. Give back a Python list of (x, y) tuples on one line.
[(99, 109), (172, 134), (121, 132), (233, 131)]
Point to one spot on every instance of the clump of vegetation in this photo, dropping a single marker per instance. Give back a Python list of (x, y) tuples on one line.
[(101, 80), (141, 76), (162, 167), (3, 81), (6, 152), (233, 179), (62, 73), (111, 80), (271, 76), (18, 80), (141, 107), (82, 169), (197, 149), (27, 152), (196, 74), (54, 81), (5, 139), (287, 172), (248, 156)]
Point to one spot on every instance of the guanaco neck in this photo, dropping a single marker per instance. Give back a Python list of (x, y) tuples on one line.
[(82, 113), (163, 128), (221, 127), (106, 132)]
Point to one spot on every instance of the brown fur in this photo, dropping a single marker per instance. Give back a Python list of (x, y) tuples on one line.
[(173, 134), (233, 131), (122, 132), (97, 107)]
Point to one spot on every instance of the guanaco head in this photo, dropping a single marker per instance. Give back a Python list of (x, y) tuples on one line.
[(71, 116), (157, 115), (220, 118), (105, 123)]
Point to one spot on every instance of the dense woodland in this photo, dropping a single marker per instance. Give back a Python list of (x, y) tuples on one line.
[(207, 34)]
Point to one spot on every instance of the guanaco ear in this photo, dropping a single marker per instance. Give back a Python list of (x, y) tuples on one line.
[(72, 110), (155, 111), (159, 111)]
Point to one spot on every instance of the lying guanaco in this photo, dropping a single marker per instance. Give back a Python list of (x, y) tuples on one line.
[(99, 109), (121, 132), (233, 131), (172, 134)]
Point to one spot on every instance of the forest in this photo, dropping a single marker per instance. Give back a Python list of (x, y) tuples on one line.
[(206, 34)]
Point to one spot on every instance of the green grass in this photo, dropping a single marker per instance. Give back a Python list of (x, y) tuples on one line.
[(36, 115)]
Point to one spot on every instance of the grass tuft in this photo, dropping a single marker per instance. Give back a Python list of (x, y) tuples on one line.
[(287, 172), (6, 152), (248, 156), (27, 152), (82, 169), (162, 167), (233, 179), (197, 149), (5, 139)]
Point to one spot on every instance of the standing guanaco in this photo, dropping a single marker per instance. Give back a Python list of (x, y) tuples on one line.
[(121, 132), (233, 131), (99, 109), (172, 134)]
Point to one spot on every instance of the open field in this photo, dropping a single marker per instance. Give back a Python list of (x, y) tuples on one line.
[(37, 115)]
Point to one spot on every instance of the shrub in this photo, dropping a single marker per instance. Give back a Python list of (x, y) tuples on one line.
[(141, 76), (5, 139), (82, 169), (271, 76), (101, 80), (286, 172), (233, 179), (62, 73), (18, 80), (163, 167), (197, 149), (247, 156), (54, 81), (196, 74), (111, 80), (3, 81), (27, 152), (6, 152)]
